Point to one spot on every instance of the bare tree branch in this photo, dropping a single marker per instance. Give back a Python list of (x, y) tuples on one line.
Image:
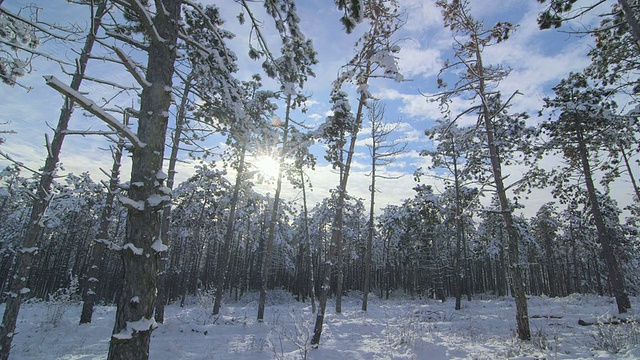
[(91, 107), (131, 67)]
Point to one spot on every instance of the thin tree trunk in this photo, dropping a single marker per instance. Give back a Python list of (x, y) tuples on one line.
[(97, 254), (468, 283), (616, 279), (550, 265), (522, 314), (223, 254), (459, 233), (367, 257), (336, 234), (266, 259), (307, 241), (136, 303), (33, 234), (161, 300)]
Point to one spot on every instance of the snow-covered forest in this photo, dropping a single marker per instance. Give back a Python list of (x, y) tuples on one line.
[(134, 262)]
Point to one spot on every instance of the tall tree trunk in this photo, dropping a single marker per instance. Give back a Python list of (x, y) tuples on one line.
[(370, 233), (136, 303), (459, 234), (616, 279), (307, 241), (33, 234), (550, 264), (223, 255), (468, 283), (336, 232), (161, 299), (102, 238), (266, 258), (515, 270)]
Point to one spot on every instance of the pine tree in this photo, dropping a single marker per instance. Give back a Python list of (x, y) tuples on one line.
[(476, 78), (374, 57), (585, 122)]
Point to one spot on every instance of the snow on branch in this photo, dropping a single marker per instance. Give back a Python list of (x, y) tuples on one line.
[(34, 52), (131, 67), (134, 249), (18, 163), (131, 204), (35, 24), (143, 14), (31, 250), (133, 327), (94, 109), (210, 26), (125, 39)]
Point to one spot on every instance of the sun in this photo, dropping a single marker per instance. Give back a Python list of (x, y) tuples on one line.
[(267, 166)]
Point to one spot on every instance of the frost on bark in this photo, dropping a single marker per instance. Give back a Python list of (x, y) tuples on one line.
[(134, 316)]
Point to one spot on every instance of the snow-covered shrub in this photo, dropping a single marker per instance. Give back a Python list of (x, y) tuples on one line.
[(405, 332), (297, 333), (540, 339), (61, 301), (614, 337)]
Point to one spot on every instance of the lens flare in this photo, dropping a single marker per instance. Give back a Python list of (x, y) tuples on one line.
[(267, 166)]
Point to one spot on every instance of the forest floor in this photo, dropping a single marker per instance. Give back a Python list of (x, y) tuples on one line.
[(399, 328)]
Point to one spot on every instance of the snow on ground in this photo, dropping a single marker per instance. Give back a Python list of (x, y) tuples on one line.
[(400, 328)]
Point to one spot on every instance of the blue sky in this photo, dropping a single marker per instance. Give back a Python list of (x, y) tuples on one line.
[(539, 59)]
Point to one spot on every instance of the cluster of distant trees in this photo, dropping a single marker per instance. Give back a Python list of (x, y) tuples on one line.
[(414, 248)]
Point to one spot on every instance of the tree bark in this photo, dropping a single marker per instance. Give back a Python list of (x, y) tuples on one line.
[(136, 303), (550, 263), (459, 231), (631, 177), (336, 233), (517, 281)]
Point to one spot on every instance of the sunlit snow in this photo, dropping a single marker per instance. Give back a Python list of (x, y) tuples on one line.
[(399, 328)]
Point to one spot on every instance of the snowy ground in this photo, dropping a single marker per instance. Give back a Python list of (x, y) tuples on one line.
[(395, 329)]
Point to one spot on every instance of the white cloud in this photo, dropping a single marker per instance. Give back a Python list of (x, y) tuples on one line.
[(408, 132), (413, 105), (416, 61), (421, 14)]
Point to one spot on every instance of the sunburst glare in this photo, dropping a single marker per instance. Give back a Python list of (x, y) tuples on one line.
[(267, 166)]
